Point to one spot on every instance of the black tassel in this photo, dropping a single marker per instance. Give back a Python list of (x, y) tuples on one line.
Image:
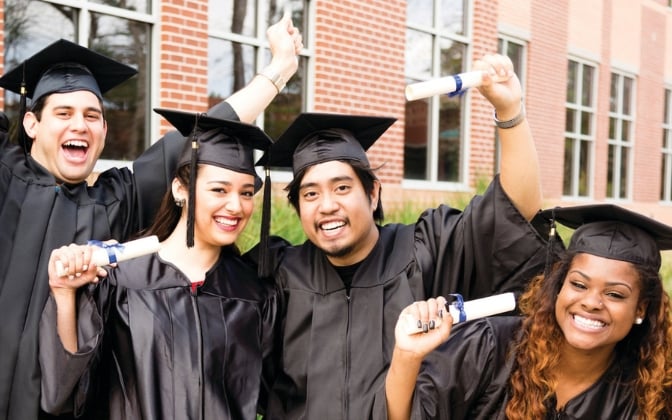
[(25, 142), (193, 170), (264, 269), (549, 246)]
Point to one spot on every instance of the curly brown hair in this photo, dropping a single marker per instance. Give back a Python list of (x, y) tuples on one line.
[(647, 347)]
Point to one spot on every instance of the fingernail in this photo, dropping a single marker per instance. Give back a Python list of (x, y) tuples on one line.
[(419, 324), (425, 328), (440, 313), (432, 324), (85, 267)]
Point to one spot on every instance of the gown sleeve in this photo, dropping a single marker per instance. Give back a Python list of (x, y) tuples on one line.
[(464, 378), (68, 378), (486, 249)]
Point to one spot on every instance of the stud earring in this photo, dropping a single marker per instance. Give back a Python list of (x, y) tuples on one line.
[(638, 321), (180, 202)]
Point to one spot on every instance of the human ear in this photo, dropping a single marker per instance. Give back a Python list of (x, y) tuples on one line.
[(30, 124)]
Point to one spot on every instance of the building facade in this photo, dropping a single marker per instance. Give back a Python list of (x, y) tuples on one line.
[(597, 76)]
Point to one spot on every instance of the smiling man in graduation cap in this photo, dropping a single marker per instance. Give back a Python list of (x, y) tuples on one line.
[(45, 201), (594, 341), (345, 287)]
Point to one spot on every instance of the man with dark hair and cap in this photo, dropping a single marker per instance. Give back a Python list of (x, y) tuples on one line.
[(345, 286), (594, 341), (45, 201), (189, 331)]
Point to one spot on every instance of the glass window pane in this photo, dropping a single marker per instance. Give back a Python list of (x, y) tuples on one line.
[(230, 66), (610, 172), (142, 6), (612, 128), (627, 96), (567, 173), (587, 86), (613, 96), (569, 120), (449, 138), (586, 120), (237, 16), (663, 179), (452, 57), (420, 12), (29, 27), (418, 54), (416, 133), (572, 74), (452, 15), (515, 53), (625, 130), (625, 159), (126, 105), (668, 103), (584, 161), (288, 104)]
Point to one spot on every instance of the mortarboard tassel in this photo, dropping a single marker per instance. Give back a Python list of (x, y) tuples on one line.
[(549, 246), (264, 269), (24, 142), (191, 204)]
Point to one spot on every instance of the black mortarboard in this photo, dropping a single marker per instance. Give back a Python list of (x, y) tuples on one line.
[(316, 138), (613, 232), (213, 141), (63, 67)]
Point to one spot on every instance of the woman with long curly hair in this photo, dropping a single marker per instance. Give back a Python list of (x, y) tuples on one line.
[(594, 340)]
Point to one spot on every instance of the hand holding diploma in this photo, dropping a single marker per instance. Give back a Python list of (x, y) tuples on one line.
[(81, 264)]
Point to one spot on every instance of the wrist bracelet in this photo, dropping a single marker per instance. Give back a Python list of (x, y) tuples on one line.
[(273, 77), (513, 121)]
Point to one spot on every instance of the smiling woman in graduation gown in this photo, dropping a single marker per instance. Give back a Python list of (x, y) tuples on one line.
[(155, 339)]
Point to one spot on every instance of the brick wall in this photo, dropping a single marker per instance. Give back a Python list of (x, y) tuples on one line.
[(359, 69), (183, 66), (546, 78)]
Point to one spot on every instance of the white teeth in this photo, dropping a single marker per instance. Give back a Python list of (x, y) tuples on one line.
[(76, 143), (332, 225), (226, 221), (589, 323)]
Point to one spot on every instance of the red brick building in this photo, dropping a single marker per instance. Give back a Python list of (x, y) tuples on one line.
[(597, 76)]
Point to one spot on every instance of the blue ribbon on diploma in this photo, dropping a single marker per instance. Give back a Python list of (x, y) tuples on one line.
[(109, 248), (458, 87), (459, 305)]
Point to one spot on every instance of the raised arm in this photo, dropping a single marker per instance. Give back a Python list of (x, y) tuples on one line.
[(285, 43), (410, 350), (519, 162), (70, 269)]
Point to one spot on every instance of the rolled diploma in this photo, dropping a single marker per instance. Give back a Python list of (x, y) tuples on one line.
[(474, 309), (448, 84), (122, 252)]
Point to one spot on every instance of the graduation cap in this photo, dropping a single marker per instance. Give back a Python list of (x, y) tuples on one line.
[(314, 138), (613, 232), (212, 141), (63, 67)]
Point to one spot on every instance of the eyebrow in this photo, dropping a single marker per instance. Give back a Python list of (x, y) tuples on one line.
[(609, 283), (70, 107), (330, 180), (229, 184)]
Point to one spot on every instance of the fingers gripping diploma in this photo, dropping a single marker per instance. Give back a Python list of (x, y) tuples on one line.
[(430, 319), (71, 267)]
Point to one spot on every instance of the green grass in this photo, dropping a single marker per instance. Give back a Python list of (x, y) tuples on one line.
[(285, 223)]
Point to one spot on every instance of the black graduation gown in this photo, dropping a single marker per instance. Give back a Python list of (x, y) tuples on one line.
[(337, 346), (467, 378), (37, 216), (173, 353)]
